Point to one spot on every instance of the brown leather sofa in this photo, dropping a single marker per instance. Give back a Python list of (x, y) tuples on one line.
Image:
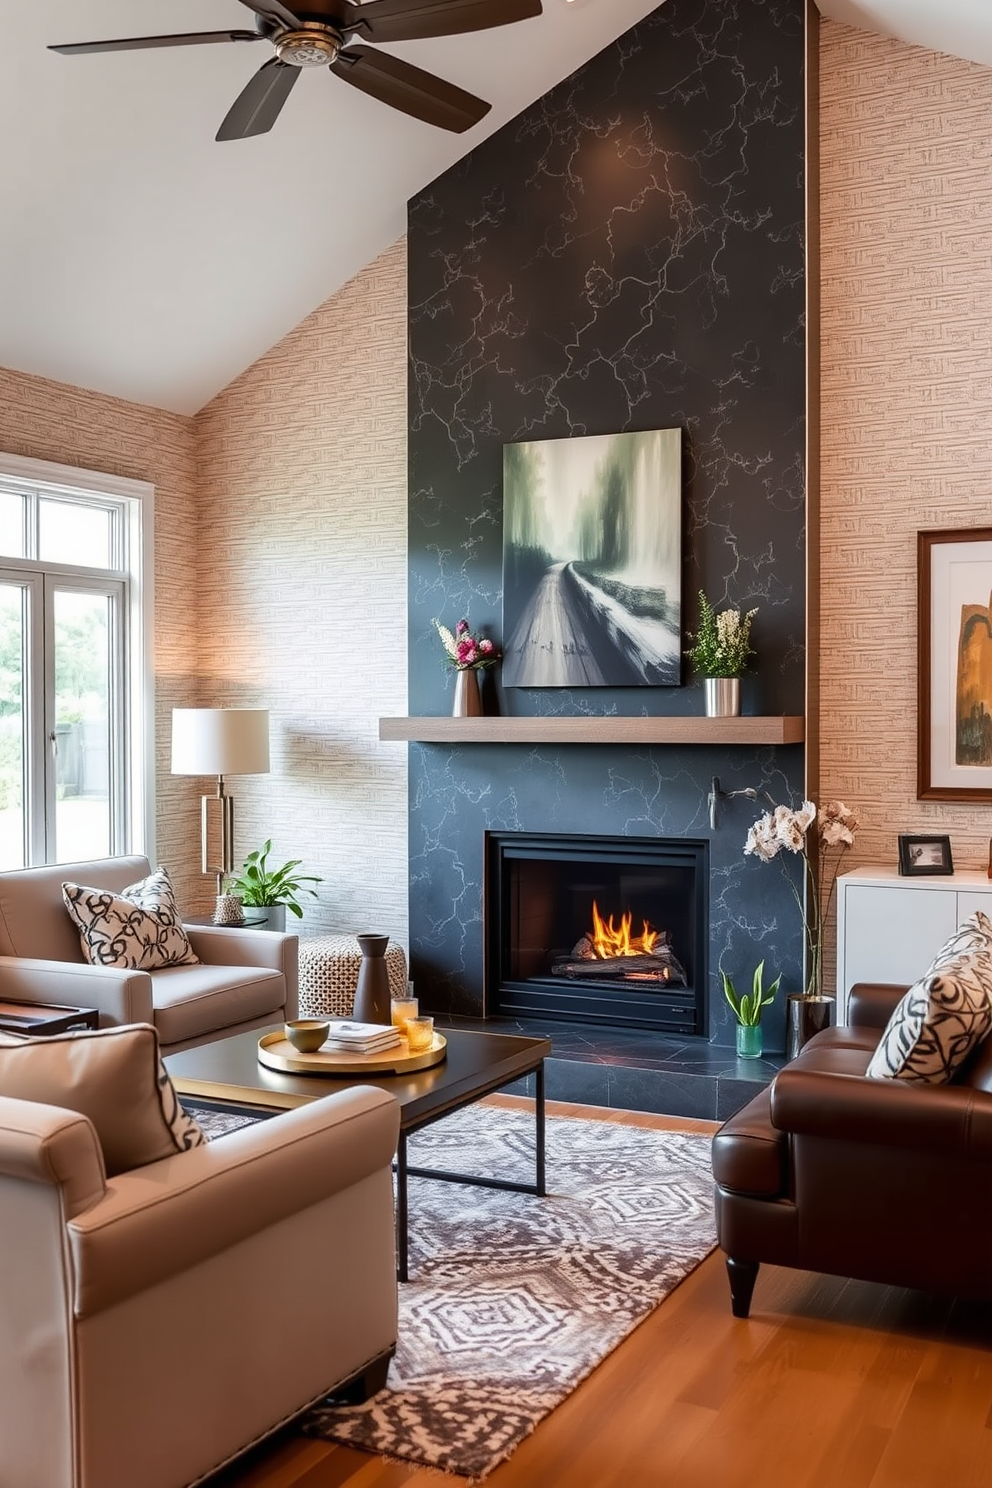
[(881, 1180)]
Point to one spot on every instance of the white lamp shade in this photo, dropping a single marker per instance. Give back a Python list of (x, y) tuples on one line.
[(220, 741)]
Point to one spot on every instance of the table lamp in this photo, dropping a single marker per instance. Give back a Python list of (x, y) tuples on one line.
[(220, 741)]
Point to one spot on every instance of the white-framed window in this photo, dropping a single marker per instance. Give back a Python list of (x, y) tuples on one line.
[(76, 664)]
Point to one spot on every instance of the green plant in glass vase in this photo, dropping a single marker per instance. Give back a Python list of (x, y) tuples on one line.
[(747, 1008), (260, 887)]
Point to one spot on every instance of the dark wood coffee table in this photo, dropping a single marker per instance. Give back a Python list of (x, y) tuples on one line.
[(228, 1071)]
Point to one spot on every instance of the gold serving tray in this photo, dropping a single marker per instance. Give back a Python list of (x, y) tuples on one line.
[(276, 1052)]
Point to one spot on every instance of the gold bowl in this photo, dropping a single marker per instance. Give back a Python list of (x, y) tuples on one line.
[(307, 1034)]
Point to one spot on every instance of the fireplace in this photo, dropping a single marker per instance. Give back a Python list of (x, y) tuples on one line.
[(606, 930)]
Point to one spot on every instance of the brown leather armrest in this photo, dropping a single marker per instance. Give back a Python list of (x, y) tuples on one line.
[(871, 1004), (951, 1119)]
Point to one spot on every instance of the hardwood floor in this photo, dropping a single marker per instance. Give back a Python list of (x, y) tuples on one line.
[(829, 1384)]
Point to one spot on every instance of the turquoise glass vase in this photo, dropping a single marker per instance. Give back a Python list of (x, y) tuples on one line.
[(749, 1040)]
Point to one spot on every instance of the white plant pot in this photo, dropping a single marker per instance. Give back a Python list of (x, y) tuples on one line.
[(265, 917)]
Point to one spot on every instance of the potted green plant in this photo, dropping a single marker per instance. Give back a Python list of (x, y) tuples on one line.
[(720, 651), (747, 1008), (268, 892)]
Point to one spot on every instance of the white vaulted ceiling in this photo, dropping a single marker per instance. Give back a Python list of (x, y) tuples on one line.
[(140, 258)]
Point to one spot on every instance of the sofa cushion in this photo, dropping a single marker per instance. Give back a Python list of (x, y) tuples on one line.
[(115, 1077), (138, 929), (944, 1015), (192, 1002)]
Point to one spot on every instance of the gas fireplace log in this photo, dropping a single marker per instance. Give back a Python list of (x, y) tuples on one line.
[(618, 967)]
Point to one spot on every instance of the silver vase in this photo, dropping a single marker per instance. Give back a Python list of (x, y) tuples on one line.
[(723, 697), (468, 698)]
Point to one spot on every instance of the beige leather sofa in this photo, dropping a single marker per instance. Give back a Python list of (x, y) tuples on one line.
[(247, 979), (154, 1325)]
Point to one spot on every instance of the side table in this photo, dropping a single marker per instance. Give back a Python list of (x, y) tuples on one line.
[(45, 1018)]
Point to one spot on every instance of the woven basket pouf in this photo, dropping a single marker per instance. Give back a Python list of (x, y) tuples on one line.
[(329, 974)]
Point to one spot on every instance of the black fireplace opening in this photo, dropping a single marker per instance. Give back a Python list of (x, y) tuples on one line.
[(607, 930)]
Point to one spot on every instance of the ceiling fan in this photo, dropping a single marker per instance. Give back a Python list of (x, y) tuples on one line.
[(319, 38)]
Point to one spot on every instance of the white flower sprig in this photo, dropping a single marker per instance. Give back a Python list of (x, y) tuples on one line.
[(722, 645), (785, 829)]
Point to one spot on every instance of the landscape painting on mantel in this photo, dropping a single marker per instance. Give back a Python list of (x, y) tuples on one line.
[(592, 561)]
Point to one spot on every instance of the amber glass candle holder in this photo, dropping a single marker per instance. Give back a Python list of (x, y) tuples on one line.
[(419, 1034), (401, 1010)]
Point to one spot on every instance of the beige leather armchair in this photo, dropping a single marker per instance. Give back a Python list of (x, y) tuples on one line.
[(246, 979), (155, 1325)]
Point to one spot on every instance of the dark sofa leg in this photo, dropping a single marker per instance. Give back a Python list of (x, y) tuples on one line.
[(369, 1382), (743, 1275)]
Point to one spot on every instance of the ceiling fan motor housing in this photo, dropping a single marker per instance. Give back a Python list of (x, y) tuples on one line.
[(315, 44)]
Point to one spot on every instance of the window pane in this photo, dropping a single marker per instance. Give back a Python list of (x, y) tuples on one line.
[(72, 533), (12, 524), (12, 846), (82, 725)]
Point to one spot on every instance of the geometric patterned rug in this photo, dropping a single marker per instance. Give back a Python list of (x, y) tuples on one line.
[(514, 1299)]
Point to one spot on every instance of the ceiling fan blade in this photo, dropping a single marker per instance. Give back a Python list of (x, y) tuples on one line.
[(138, 43), (408, 20), (274, 11), (257, 106), (410, 89)]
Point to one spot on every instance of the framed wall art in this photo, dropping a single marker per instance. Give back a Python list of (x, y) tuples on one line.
[(592, 561), (954, 725)]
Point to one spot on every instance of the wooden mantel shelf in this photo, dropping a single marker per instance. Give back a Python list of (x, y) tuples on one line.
[(789, 729)]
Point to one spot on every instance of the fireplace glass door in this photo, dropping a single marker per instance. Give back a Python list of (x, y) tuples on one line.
[(609, 930)]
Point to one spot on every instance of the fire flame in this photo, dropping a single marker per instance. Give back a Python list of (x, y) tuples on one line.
[(608, 940)]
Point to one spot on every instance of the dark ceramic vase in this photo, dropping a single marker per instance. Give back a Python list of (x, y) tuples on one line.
[(372, 990)]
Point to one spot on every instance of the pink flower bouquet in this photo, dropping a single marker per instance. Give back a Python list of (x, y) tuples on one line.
[(466, 652)]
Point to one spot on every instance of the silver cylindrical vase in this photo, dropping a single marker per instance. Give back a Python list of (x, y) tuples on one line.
[(723, 697), (468, 697)]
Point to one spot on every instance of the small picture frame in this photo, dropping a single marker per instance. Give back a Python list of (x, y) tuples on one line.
[(919, 855)]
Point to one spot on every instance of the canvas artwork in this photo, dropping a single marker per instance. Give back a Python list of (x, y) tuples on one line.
[(973, 694), (592, 561)]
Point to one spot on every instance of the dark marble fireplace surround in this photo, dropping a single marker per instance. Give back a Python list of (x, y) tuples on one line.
[(627, 254)]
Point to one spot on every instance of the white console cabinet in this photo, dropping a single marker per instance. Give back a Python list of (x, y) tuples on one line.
[(889, 928)]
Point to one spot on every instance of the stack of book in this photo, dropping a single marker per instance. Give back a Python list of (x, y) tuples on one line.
[(362, 1038)]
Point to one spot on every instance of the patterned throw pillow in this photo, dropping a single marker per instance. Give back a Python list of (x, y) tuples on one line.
[(115, 1077), (944, 1015), (138, 929)]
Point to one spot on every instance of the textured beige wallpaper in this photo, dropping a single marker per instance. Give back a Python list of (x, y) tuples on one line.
[(906, 255), (301, 465), (281, 520), (49, 421)]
